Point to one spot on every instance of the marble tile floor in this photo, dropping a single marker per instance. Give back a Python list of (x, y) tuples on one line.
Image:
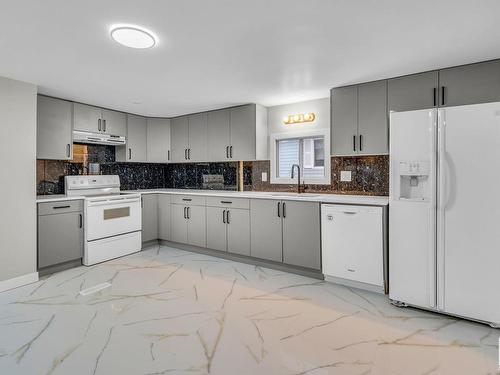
[(173, 312)]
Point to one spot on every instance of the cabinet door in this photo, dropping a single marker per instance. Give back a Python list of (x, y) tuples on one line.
[(114, 123), (242, 133), (86, 118), (197, 226), (470, 84), (216, 228), (178, 223), (301, 234), (136, 138), (218, 135), (164, 215), (158, 142), (60, 238), (238, 231), (179, 135), (344, 120), (149, 217), (417, 91), (197, 149), (373, 129), (54, 129), (265, 230)]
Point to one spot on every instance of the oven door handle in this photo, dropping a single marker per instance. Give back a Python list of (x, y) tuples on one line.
[(112, 202)]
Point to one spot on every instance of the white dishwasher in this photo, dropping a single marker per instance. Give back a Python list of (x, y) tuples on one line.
[(352, 239)]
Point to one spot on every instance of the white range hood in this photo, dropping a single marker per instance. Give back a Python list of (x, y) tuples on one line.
[(98, 138)]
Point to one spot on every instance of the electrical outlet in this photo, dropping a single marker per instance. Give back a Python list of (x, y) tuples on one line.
[(264, 176), (345, 176)]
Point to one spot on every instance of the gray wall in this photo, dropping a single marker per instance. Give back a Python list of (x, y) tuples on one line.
[(18, 153)]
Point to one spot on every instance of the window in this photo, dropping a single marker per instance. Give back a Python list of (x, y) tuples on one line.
[(307, 151)]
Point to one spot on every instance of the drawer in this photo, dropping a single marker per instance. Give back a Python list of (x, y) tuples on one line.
[(189, 200), (228, 202), (60, 207)]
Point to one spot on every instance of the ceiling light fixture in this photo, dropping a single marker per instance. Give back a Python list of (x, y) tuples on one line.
[(133, 36)]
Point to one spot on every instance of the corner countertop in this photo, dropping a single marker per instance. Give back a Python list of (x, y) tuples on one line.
[(56, 198), (306, 197)]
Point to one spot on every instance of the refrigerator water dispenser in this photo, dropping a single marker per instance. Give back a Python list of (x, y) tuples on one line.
[(414, 180)]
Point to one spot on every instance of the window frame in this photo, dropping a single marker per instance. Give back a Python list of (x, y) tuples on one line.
[(274, 138)]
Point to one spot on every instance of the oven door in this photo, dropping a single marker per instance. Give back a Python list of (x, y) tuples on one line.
[(111, 216)]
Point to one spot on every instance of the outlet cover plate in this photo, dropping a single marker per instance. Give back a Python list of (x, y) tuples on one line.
[(345, 176)]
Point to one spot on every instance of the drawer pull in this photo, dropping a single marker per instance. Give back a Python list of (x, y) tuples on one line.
[(351, 270), (187, 199), (226, 202), (59, 207), (349, 212)]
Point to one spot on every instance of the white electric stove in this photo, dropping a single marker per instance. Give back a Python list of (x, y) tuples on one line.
[(113, 221)]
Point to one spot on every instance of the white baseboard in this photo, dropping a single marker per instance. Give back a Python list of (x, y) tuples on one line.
[(18, 281)]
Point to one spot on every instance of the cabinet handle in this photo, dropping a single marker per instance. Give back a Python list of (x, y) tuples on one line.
[(231, 152), (434, 96), (187, 199), (168, 155), (349, 212), (187, 211), (185, 154), (59, 207), (443, 89), (361, 142), (224, 216), (226, 202), (68, 150), (279, 204), (354, 142), (284, 210), (227, 216), (129, 154), (99, 124), (189, 154), (104, 125), (227, 152), (81, 220)]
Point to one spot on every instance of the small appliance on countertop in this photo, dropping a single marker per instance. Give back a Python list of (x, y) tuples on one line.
[(112, 219)]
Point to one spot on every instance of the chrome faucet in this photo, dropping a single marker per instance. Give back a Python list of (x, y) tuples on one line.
[(298, 177)]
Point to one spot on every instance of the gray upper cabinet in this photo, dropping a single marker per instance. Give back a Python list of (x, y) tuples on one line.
[(179, 139), (54, 125), (136, 148), (219, 125), (413, 92), (158, 140), (243, 128), (113, 122), (238, 231), (266, 231), (164, 217), (301, 234), (87, 118), (344, 120), (359, 121), (197, 144), (470, 84), (373, 126), (216, 228), (149, 217)]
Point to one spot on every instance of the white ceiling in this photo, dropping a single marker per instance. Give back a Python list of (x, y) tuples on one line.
[(218, 53)]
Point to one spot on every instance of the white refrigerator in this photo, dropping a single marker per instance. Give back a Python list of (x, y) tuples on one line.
[(444, 212)]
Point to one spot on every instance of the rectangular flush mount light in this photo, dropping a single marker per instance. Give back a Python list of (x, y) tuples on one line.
[(299, 118)]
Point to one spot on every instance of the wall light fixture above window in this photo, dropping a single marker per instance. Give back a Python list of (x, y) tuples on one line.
[(133, 36), (299, 118)]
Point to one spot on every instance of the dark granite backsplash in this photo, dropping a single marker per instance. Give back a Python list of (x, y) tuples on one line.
[(370, 174)]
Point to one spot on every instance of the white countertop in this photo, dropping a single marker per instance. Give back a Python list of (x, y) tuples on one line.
[(307, 197), (56, 198)]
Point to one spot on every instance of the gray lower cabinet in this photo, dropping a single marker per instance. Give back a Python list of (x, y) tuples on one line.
[(197, 226), (344, 120), (238, 231), (218, 140), (216, 228), (179, 139), (178, 223), (149, 217), (54, 129), (413, 92), (266, 230), (164, 217), (470, 84), (60, 233), (301, 234), (373, 125)]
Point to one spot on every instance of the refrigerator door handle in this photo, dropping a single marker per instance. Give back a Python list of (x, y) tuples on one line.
[(432, 212), (442, 185)]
